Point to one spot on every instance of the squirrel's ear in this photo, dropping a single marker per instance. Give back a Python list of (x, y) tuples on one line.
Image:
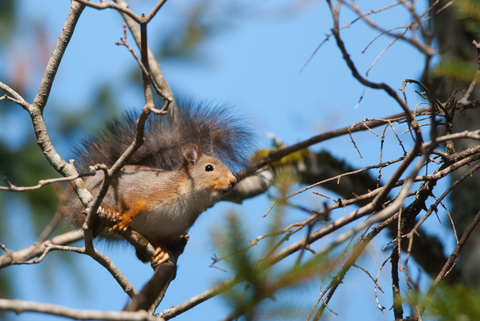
[(191, 154)]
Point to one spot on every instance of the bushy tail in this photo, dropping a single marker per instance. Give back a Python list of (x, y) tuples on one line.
[(214, 128)]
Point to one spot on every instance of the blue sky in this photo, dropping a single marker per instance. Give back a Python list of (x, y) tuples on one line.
[(253, 65)]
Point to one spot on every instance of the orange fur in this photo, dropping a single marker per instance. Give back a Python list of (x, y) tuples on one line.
[(128, 212)]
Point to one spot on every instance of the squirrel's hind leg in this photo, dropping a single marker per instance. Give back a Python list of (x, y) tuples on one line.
[(123, 221), (161, 254)]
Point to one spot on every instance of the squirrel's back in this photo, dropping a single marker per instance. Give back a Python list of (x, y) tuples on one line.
[(213, 128)]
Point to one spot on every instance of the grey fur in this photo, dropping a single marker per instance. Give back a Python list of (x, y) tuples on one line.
[(213, 128)]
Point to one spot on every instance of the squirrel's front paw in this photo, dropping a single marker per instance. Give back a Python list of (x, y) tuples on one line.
[(121, 226), (109, 213), (121, 223), (160, 255)]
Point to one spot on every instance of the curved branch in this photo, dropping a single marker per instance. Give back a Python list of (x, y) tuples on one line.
[(19, 306), (196, 300)]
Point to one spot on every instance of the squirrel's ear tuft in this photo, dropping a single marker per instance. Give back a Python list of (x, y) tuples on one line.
[(191, 154)]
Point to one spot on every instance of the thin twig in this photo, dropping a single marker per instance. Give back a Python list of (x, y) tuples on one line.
[(154, 67), (110, 5), (41, 183)]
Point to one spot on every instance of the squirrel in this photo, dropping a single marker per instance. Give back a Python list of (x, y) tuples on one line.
[(183, 167)]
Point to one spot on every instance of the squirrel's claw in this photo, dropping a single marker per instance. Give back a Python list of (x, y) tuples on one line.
[(109, 212), (160, 256), (121, 224)]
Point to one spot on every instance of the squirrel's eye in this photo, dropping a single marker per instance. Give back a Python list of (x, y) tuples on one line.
[(209, 168)]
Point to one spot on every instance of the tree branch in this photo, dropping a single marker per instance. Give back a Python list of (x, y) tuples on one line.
[(451, 260), (19, 306), (154, 66), (57, 54)]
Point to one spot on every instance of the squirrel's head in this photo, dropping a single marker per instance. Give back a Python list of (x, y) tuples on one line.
[(209, 175)]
